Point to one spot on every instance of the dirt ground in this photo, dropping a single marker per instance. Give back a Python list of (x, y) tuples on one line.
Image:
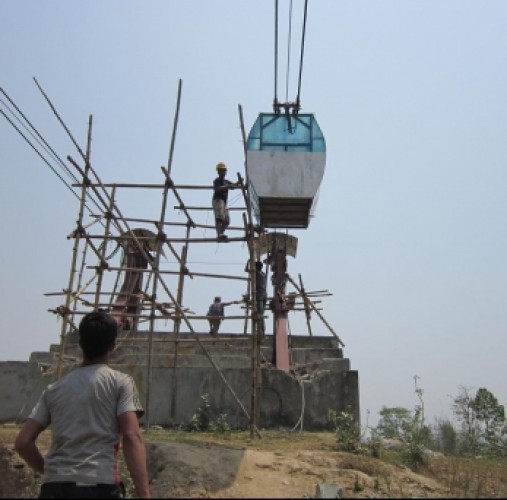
[(276, 468), (206, 470)]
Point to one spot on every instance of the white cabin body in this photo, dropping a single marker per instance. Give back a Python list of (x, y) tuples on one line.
[(286, 157)]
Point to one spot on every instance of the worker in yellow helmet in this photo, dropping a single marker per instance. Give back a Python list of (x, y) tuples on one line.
[(221, 188)]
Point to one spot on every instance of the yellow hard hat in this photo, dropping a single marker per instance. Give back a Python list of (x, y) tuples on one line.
[(221, 166)]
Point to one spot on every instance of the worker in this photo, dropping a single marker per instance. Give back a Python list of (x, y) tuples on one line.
[(216, 314), (221, 188), (261, 296), (259, 293), (89, 410)]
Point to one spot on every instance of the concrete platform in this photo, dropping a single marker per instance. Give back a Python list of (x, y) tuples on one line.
[(181, 373)]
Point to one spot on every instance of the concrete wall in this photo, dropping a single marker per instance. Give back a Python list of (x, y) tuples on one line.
[(322, 380)]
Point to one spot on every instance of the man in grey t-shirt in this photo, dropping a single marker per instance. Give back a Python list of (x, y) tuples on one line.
[(89, 410)]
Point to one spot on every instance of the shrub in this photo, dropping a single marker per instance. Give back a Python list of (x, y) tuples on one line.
[(447, 437), (220, 425), (200, 420), (346, 429)]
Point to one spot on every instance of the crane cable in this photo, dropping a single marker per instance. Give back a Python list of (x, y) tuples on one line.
[(297, 104)]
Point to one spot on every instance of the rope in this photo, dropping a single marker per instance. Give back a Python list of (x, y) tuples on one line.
[(303, 402), (299, 380)]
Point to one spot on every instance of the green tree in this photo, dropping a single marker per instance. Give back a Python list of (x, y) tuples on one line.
[(481, 418), (463, 409), (399, 422), (447, 437), (490, 415), (393, 422), (488, 411)]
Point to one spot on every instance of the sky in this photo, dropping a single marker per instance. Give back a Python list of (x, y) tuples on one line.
[(409, 232)]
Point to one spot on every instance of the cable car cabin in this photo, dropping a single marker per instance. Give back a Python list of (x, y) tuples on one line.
[(286, 157)]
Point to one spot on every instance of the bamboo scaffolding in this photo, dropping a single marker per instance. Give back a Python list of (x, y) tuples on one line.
[(165, 311), (92, 186)]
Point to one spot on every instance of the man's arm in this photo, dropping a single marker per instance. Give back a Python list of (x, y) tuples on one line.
[(26, 447), (225, 304), (135, 452), (225, 187)]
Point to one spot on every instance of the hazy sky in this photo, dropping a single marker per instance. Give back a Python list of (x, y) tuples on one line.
[(410, 229)]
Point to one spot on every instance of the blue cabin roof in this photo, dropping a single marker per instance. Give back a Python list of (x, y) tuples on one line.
[(286, 132)]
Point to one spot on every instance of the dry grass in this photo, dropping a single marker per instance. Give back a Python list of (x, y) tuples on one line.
[(471, 477), (465, 477)]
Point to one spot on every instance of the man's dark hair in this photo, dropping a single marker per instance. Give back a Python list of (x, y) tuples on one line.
[(259, 265), (97, 333)]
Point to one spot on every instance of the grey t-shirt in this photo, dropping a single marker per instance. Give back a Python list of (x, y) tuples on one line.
[(82, 409)]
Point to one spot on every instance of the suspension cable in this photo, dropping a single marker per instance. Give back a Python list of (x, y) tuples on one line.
[(35, 134), (39, 153), (298, 101), (289, 39), (295, 106), (275, 99), (42, 142)]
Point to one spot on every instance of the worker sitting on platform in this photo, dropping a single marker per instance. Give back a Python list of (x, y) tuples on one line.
[(221, 191)]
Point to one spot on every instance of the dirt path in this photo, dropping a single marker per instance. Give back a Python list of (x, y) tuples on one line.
[(201, 470)]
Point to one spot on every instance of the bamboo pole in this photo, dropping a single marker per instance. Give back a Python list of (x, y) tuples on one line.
[(74, 258), (149, 271), (186, 207), (177, 322), (173, 223), (306, 306), (100, 270), (127, 185), (256, 340), (204, 340), (173, 240), (317, 312), (162, 237), (75, 296)]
